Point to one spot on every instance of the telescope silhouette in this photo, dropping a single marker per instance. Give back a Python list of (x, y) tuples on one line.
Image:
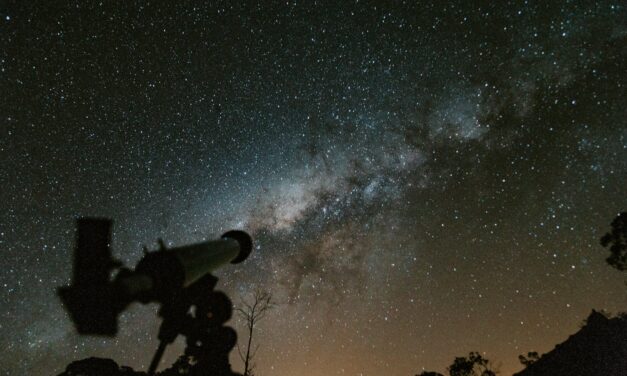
[(94, 301), (177, 278)]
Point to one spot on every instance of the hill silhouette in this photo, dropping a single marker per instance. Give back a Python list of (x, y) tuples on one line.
[(598, 349)]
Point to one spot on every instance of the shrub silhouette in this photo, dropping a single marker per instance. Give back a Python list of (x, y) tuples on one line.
[(472, 365)]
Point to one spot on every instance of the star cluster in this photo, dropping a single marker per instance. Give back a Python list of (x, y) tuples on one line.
[(421, 179)]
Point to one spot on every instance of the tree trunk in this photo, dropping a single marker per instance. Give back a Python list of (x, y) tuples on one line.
[(250, 341)]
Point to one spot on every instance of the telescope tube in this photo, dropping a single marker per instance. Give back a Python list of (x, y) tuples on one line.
[(182, 266), (200, 259)]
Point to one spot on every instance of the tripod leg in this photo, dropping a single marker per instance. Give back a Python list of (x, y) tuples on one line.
[(157, 358)]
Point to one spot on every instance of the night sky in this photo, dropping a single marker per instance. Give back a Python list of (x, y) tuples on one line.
[(421, 179)]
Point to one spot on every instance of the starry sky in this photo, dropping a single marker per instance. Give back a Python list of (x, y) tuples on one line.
[(421, 179)]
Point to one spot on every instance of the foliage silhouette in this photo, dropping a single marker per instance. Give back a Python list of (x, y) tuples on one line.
[(472, 365), (529, 359), (617, 237)]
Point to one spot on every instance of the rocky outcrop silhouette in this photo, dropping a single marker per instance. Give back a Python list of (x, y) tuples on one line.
[(98, 367), (598, 349)]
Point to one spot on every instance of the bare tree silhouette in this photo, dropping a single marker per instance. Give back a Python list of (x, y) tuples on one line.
[(252, 312)]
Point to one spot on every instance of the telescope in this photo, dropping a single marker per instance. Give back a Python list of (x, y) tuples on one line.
[(94, 301)]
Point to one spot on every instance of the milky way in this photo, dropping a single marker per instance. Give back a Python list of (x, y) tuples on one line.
[(421, 180)]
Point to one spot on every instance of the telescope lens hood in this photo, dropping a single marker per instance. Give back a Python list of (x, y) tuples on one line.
[(245, 244)]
